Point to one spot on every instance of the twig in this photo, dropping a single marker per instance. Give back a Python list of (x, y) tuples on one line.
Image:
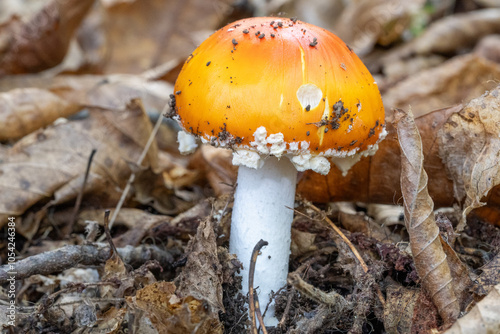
[(80, 194), (253, 298), (332, 298), (108, 235), (131, 179), (287, 307), (351, 246), (88, 255)]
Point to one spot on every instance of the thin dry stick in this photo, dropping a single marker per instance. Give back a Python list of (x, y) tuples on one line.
[(253, 298), (139, 163), (108, 236), (80, 194), (351, 246), (287, 308)]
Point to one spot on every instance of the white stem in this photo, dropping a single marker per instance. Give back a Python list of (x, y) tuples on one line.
[(262, 209)]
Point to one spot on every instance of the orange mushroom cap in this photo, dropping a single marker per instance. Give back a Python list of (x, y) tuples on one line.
[(290, 77)]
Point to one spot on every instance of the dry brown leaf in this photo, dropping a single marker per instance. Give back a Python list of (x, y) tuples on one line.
[(398, 310), (201, 277), (220, 172), (376, 179), (484, 318), (364, 23), (455, 81), (104, 91), (489, 277), (137, 222), (50, 164), (42, 42), (428, 254), (457, 32), (111, 321), (171, 314), (24, 110), (158, 31), (489, 48), (473, 164)]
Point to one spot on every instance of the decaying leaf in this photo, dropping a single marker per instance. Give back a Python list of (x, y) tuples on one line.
[(473, 164), (484, 318), (42, 42), (24, 110), (428, 254), (489, 277), (172, 314), (398, 310), (49, 165), (455, 81), (201, 277)]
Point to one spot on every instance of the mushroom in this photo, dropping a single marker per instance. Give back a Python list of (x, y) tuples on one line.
[(284, 96)]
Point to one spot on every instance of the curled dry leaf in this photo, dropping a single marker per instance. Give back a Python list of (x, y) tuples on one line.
[(464, 77), (24, 110), (473, 164), (42, 42), (455, 32), (364, 23), (484, 318), (49, 165), (428, 254)]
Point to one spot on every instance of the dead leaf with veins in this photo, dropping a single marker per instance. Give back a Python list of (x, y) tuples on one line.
[(470, 148), (49, 165)]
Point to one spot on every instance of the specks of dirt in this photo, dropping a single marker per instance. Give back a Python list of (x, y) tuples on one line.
[(228, 138), (261, 36), (235, 42), (172, 111), (208, 63), (308, 133), (272, 35), (308, 107), (178, 92), (294, 19), (314, 42), (246, 31)]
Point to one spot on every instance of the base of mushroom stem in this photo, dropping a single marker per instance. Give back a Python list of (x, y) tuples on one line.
[(263, 209)]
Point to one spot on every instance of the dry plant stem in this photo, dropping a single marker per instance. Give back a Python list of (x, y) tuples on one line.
[(331, 298), (139, 163), (253, 298), (281, 324), (80, 194), (353, 249), (72, 256), (430, 259)]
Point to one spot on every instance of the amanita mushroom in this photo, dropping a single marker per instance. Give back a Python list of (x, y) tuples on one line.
[(285, 96)]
